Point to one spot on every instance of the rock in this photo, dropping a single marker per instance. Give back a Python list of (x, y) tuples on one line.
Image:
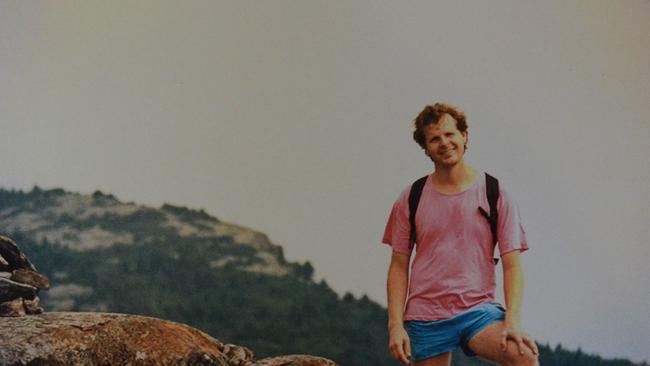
[(13, 308), (19, 281), (31, 278), (85, 339), (10, 290), (295, 360), (31, 306), (13, 256), (238, 356), (3, 263), (53, 339), (20, 307)]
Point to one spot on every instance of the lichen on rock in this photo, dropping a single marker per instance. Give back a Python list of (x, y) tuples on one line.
[(53, 339), (89, 339)]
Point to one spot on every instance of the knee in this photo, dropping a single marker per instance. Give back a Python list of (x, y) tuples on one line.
[(529, 359), (514, 358)]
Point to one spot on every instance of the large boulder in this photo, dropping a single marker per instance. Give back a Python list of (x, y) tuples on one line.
[(53, 339), (104, 339)]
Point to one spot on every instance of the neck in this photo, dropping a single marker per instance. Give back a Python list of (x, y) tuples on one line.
[(458, 175), (452, 174)]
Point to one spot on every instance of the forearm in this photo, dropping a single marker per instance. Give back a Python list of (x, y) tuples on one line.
[(396, 288), (513, 283)]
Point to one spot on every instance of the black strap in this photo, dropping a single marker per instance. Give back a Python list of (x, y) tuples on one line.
[(414, 200), (492, 192)]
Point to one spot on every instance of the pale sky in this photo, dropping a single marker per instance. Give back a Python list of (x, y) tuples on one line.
[(294, 118)]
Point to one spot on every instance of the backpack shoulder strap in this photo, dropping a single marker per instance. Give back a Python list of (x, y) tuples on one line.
[(414, 200), (492, 193)]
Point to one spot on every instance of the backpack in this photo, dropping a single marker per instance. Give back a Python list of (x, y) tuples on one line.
[(491, 191)]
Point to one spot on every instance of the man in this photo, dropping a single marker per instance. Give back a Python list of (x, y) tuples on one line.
[(450, 299)]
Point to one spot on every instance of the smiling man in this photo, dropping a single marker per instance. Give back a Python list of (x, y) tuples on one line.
[(454, 218)]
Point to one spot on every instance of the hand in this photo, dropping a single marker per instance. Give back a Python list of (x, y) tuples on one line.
[(399, 344), (511, 331)]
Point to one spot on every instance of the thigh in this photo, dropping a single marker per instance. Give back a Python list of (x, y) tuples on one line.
[(487, 344), (439, 360), (431, 340)]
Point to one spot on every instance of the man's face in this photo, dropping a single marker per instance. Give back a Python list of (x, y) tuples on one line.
[(445, 144)]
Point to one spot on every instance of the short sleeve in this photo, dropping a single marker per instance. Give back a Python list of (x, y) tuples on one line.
[(397, 231), (510, 230)]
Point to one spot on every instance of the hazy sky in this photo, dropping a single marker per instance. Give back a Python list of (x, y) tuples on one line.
[(294, 118)]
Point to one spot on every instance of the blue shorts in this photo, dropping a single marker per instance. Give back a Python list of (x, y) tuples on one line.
[(430, 339)]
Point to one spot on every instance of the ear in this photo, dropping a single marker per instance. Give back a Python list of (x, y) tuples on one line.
[(465, 136)]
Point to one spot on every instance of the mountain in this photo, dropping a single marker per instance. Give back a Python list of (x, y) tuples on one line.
[(186, 266)]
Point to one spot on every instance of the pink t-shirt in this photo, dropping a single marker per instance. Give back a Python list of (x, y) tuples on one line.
[(453, 268)]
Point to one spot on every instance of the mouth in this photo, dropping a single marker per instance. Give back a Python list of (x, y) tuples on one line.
[(446, 152)]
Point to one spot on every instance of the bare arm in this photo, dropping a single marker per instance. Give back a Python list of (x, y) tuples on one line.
[(398, 274), (513, 288)]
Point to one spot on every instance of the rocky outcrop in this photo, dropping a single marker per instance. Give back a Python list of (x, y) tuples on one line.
[(54, 339), (19, 281), (88, 222)]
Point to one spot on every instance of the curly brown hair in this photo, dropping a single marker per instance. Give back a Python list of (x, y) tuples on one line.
[(431, 114)]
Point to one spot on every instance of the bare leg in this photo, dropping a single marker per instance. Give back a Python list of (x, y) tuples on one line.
[(440, 360), (487, 344)]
